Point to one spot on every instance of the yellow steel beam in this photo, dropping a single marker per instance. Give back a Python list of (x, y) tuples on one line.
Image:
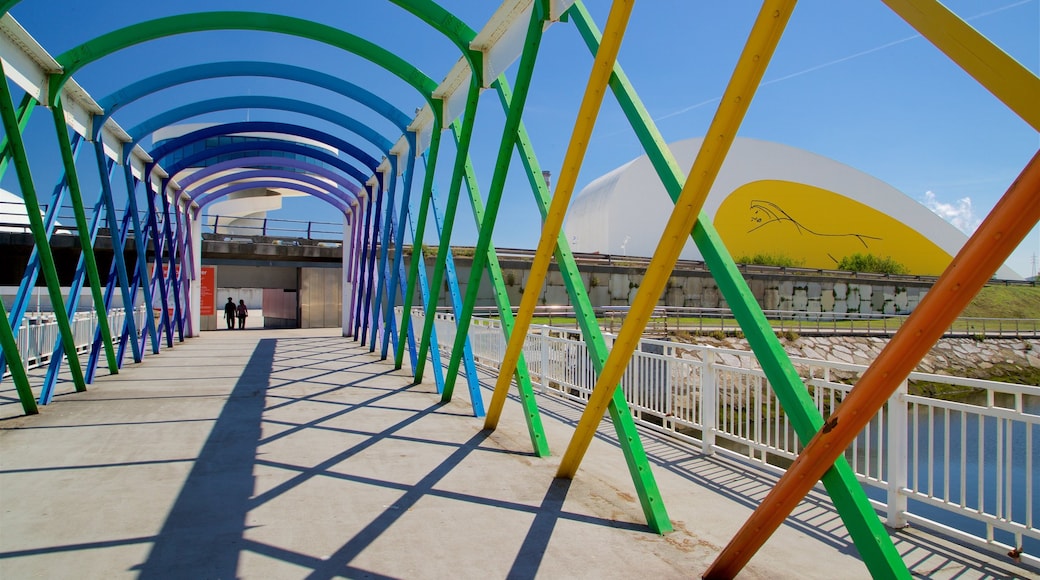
[(1015, 85), (599, 78), (761, 43)]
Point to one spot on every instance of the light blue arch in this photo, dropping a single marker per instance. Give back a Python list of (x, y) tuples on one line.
[(236, 187), (257, 102), (264, 127), (244, 162), (276, 145), (172, 78), (204, 193)]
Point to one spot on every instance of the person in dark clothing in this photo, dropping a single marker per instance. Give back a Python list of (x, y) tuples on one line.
[(242, 313), (229, 313)]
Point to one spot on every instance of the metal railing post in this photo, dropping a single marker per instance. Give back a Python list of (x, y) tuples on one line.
[(897, 457), (544, 340), (669, 407), (709, 402)]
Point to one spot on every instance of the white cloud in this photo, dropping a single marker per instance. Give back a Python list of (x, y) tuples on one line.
[(958, 213)]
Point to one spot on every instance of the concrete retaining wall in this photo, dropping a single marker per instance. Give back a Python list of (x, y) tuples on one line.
[(617, 286)]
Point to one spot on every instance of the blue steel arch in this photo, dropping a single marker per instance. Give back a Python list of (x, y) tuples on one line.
[(175, 144), (172, 116), (245, 162), (175, 77), (266, 102), (284, 146), (324, 195), (200, 193), (265, 127)]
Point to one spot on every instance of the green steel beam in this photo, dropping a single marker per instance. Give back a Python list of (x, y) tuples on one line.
[(754, 58), (539, 442), (618, 409), (32, 208), (417, 240), (86, 247), (14, 362), (450, 26), (624, 425), (25, 109), (630, 443), (468, 118), (486, 222), (869, 535)]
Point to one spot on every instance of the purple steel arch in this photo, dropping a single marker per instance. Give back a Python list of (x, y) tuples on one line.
[(273, 178), (204, 193), (243, 162)]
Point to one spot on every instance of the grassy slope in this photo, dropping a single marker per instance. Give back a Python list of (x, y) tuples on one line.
[(1005, 302)]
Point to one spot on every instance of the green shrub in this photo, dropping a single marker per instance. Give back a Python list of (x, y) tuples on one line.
[(770, 260), (871, 263)]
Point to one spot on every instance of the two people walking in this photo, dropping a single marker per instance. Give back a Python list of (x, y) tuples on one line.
[(231, 311)]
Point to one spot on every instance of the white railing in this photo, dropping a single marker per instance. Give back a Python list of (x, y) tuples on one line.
[(705, 320), (36, 337), (967, 469)]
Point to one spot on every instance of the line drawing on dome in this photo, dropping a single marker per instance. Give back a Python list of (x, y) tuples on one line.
[(765, 212)]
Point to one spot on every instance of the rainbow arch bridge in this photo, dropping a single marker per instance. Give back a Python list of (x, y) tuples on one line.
[(375, 164)]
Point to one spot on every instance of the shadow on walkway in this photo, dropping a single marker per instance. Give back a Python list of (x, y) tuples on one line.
[(204, 531)]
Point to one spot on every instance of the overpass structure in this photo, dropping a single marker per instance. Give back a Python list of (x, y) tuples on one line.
[(374, 183)]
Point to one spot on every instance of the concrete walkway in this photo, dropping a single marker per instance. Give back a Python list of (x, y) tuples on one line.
[(297, 454)]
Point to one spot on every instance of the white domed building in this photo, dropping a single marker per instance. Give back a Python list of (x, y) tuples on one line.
[(769, 199), (13, 216)]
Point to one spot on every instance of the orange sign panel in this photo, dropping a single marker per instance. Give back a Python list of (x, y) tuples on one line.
[(207, 303)]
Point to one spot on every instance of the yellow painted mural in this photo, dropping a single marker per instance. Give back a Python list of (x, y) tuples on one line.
[(820, 227)]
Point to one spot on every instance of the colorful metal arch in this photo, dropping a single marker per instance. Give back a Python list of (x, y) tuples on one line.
[(286, 179), (147, 86), (75, 58), (247, 162), (350, 90), (111, 42), (318, 136), (283, 146), (158, 153), (145, 128)]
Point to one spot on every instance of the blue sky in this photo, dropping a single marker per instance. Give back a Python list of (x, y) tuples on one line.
[(850, 81)]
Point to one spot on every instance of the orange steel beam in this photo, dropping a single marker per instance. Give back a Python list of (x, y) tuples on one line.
[(1001, 232)]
